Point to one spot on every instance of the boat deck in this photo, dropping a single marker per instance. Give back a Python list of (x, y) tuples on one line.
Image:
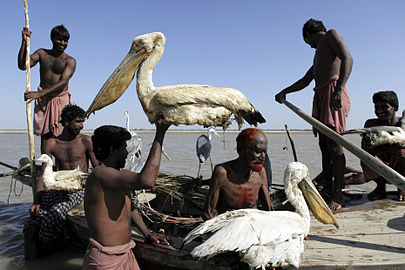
[(371, 236)]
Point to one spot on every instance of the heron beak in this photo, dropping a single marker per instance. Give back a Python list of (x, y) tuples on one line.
[(315, 202), (118, 82)]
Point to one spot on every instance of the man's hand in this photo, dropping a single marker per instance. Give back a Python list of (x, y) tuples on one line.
[(336, 100), (34, 209), (26, 33), (158, 238), (160, 126), (315, 132), (32, 95), (280, 97)]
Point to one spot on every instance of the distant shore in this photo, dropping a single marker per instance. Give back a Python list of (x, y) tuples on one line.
[(90, 131)]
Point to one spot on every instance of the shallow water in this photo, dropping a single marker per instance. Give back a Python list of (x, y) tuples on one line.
[(180, 146)]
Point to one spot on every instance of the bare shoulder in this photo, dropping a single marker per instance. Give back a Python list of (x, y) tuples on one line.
[(333, 34), (85, 139), (371, 123)]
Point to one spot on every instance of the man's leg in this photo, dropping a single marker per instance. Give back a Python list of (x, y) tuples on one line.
[(400, 168), (339, 164), (327, 170)]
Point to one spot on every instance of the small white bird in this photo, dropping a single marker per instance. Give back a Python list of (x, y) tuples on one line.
[(203, 148), (134, 162), (69, 180), (186, 104), (264, 238)]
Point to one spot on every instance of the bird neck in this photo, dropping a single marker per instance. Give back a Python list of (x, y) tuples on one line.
[(48, 168), (297, 200), (144, 83)]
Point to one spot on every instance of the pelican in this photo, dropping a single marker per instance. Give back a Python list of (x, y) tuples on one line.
[(264, 238), (186, 104), (380, 135), (69, 180), (203, 148)]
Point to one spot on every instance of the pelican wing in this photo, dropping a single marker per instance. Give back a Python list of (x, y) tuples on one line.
[(118, 82), (250, 227), (69, 175)]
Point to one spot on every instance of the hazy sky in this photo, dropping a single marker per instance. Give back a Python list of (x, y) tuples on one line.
[(253, 46)]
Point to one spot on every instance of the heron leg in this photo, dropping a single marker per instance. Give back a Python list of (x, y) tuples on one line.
[(212, 167), (199, 167)]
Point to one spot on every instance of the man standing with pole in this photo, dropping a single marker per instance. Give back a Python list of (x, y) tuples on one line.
[(331, 105)]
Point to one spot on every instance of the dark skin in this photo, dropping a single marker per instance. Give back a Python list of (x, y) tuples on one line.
[(107, 200), (385, 117), (234, 185), (70, 149), (331, 58), (56, 67)]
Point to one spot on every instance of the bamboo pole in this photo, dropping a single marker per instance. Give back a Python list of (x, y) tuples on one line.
[(28, 89), (385, 171), (291, 142)]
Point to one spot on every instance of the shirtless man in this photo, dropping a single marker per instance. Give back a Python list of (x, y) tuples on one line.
[(385, 106), (56, 69), (239, 183), (331, 105), (71, 150), (107, 201)]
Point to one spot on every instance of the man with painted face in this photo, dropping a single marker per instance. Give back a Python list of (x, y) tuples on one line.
[(56, 69), (385, 105), (71, 150), (239, 183)]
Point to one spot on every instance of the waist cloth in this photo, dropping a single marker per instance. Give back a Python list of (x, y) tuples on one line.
[(109, 257), (47, 112), (391, 159), (321, 105)]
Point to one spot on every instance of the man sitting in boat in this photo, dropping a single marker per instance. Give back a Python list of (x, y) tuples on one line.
[(239, 183), (71, 150), (107, 200), (385, 106)]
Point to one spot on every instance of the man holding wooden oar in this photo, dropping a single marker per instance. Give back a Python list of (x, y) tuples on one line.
[(56, 69), (331, 105)]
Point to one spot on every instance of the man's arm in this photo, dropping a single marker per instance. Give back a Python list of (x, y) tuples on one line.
[(89, 152), (138, 221), (297, 86), (213, 194), (61, 85), (339, 47), (264, 193), (26, 33)]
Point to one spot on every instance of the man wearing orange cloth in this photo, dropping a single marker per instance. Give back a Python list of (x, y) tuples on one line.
[(107, 202), (56, 69), (331, 104)]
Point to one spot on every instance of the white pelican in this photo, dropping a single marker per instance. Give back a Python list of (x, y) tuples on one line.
[(203, 148), (134, 147), (69, 180), (186, 104), (266, 238)]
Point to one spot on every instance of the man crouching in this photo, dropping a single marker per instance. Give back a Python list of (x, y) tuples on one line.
[(107, 201)]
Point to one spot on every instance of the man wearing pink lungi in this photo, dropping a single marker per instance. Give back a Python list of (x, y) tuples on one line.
[(331, 104), (385, 105), (56, 69)]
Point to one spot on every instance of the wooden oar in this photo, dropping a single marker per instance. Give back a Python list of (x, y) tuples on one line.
[(28, 89), (291, 142), (385, 171)]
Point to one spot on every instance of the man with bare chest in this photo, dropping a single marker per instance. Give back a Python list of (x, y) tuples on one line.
[(56, 69), (331, 104), (71, 150), (239, 183)]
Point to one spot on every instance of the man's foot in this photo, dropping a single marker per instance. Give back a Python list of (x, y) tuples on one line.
[(355, 179), (401, 195), (335, 207), (378, 193)]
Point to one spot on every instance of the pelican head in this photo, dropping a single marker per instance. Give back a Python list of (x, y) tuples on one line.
[(148, 42), (45, 159), (296, 174)]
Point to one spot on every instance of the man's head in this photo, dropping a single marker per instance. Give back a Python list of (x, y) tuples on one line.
[(252, 148), (111, 140), (72, 117), (60, 37), (310, 28), (385, 105)]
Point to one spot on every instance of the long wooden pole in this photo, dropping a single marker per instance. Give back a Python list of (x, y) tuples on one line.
[(385, 171), (28, 89), (291, 142)]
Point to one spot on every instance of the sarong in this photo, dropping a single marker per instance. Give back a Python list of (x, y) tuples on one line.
[(55, 204), (47, 113), (321, 105), (392, 161), (109, 257)]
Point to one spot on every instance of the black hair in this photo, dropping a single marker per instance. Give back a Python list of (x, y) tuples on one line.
[(387, 96), (108, 136), (60, 31), (70, 112), (312, 26)]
